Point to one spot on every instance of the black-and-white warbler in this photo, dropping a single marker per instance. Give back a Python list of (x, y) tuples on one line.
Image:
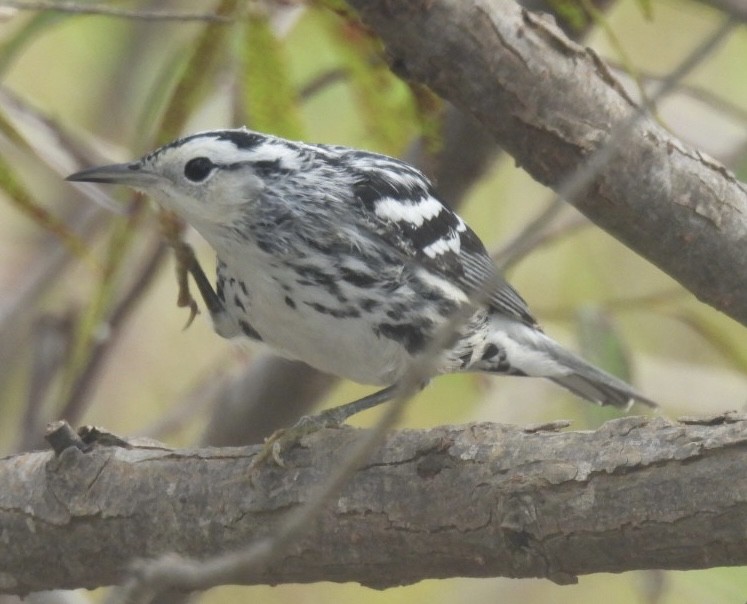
[(347, 260)]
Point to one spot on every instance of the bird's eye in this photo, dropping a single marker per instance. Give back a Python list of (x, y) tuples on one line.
[(198, 169)]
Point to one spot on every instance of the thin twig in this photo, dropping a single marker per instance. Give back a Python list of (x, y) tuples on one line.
[(322, 81), (197, 399), (618, 304), (699, 93), (38, 277), (110, 11), (78, 397), (525, 241), (50, 341), (543, 230), (573, 186)]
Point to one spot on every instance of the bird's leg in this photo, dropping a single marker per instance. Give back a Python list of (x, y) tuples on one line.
[(187, 264), (285, 438), (211, 299), (223, 323), (172, 228), (337, 415)]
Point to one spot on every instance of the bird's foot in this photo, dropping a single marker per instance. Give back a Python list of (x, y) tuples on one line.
[(285, 439)]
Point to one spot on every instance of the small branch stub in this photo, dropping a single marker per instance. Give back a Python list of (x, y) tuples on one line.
[(60, 435)]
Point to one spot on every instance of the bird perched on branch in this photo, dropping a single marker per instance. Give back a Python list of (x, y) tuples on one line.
[(348, 261)]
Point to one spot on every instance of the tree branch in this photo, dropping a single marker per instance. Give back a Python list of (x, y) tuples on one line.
[(480, 500), (552, 103)]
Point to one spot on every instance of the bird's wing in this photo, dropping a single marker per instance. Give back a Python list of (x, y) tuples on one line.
[(398, 203)]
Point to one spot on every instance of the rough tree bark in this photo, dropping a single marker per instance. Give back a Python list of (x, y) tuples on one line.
[(480, 500), (551, 103)]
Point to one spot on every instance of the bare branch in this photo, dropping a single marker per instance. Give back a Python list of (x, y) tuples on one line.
[(481, 500)]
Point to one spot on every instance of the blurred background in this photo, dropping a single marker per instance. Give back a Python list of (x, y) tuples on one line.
[(89, 326)]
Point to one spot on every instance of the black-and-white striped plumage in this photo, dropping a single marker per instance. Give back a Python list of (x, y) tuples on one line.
[(347, 260)]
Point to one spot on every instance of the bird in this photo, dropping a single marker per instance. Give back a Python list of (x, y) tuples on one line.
[(348, 261)]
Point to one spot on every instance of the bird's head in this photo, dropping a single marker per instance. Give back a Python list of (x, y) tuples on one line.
[(206, 178)]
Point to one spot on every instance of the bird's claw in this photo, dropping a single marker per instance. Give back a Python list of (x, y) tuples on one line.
[(285, 439)]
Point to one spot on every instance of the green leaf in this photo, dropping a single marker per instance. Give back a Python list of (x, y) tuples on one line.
[(601, 345), (197, 72), (647, 8), (385, 103), (429, 114), (122, 237), (24, 201), (340, 7), (158, 98), (270, 99), (571, 12), (36, 26)]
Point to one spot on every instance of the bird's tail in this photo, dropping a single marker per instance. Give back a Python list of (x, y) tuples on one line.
[(600, 387), (530, 352)]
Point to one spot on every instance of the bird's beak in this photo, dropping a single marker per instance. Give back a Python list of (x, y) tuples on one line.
[(131, 175)]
